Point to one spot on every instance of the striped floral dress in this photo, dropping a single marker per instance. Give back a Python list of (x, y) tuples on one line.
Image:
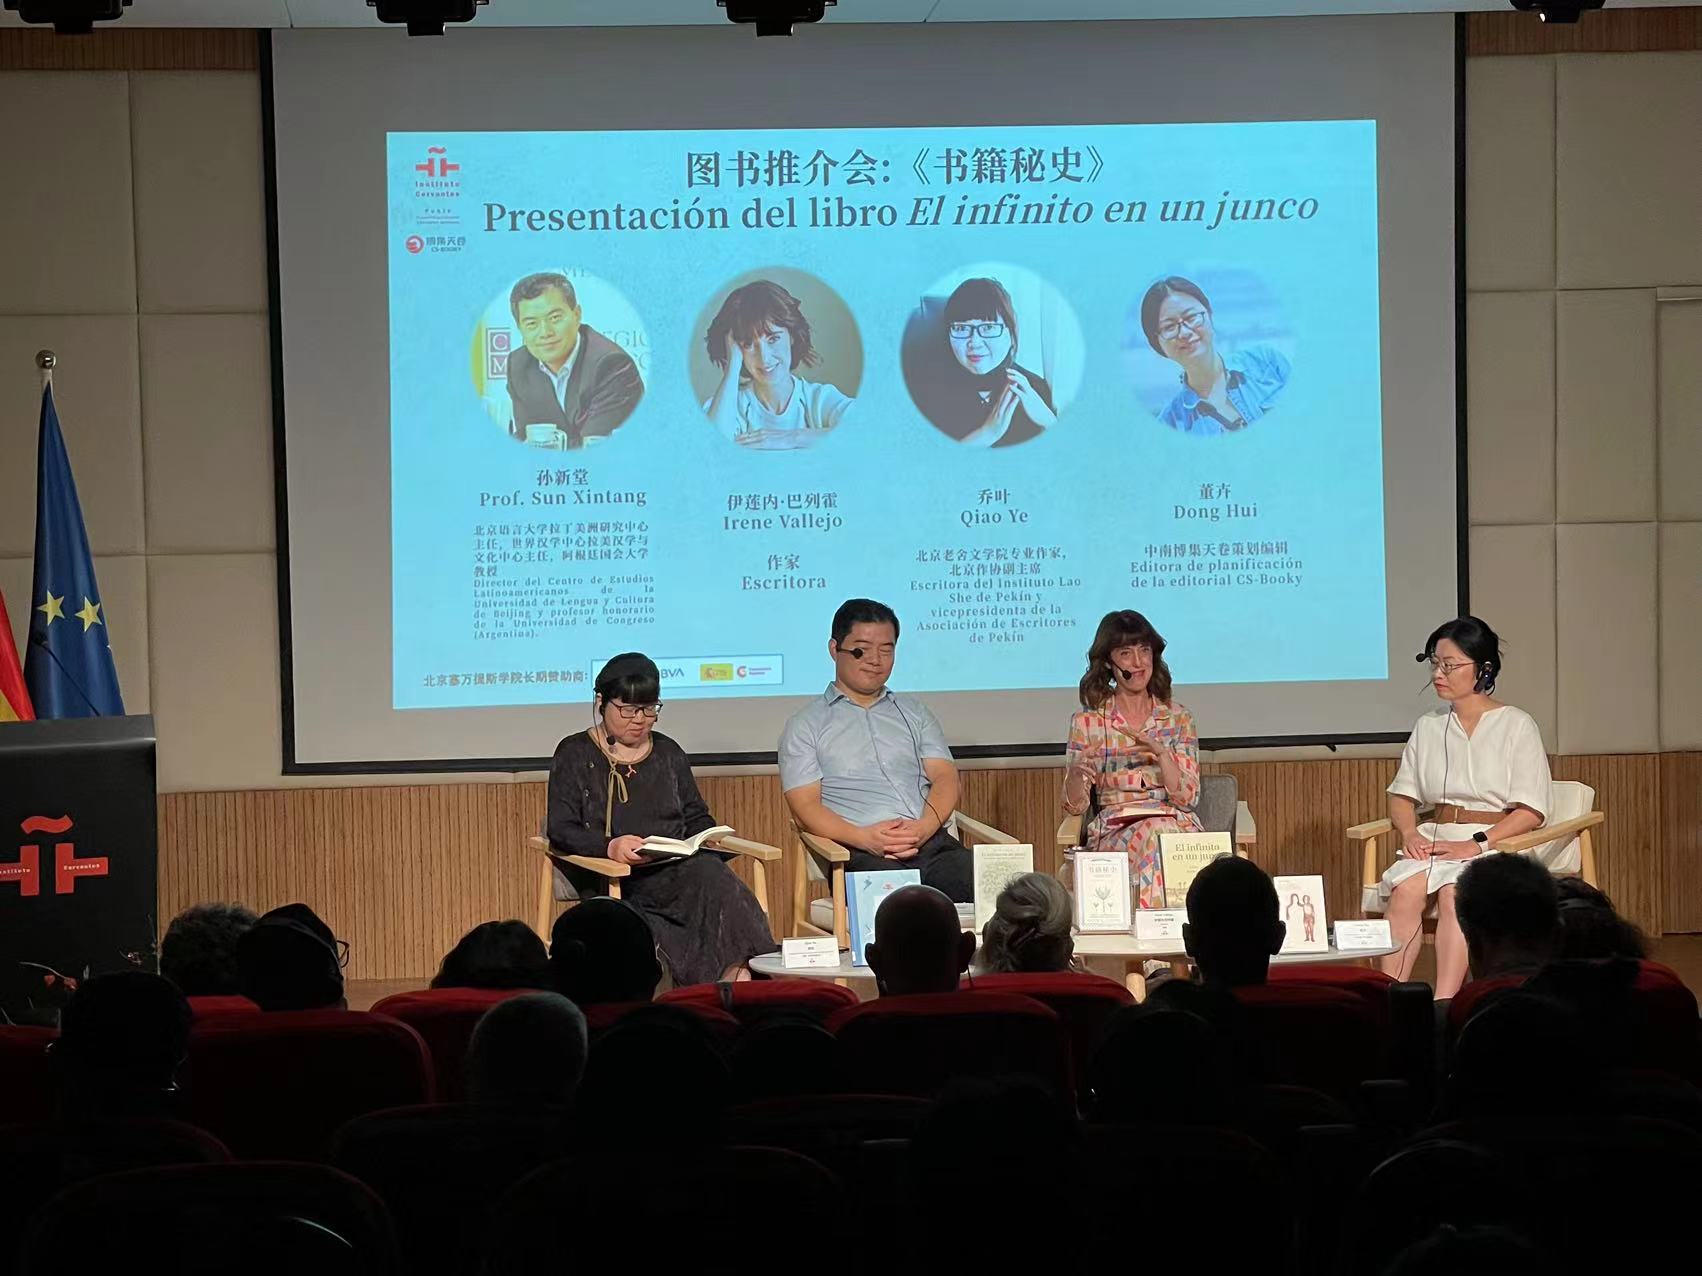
[(1107, 743)]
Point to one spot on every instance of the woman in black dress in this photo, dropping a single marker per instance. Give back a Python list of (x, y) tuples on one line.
[(622, 781), (978, 393)]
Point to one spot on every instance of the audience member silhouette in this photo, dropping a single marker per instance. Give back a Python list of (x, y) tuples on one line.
[(1233, 927), (198, 953), (1470, 1251), (919, 946), (1509, 913), (290, 960), (1590, 926), (654, 1081), (602, 951), (528, 1049), (121, 1041), (1030, 927), (496, 955), (1146, 1041), (1521, 1054)]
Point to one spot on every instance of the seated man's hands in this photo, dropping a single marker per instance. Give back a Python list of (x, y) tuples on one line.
[(894, 839)]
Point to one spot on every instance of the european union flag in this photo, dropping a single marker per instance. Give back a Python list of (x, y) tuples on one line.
[(68, 667)]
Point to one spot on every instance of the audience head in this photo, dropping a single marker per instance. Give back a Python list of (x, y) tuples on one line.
[(1234, 926), (198, 953), (1521, 1052), (1509, 913), (121, 1040), (290, 960), (601, 951), (655, 1079), (1591, 928), (787, 1052), (530, 1048), (1030, 926), (919, 945), (496, 955)]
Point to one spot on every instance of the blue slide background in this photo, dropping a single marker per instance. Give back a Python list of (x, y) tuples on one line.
[(1100, 489)]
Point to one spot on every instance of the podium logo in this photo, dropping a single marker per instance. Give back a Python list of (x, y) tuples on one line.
[(67, 867)]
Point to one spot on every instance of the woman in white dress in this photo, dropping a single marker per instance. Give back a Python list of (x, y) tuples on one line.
[(1481, 765)]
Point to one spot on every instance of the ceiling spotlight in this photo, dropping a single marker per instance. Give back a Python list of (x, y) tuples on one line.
[(1556, 10), (775, 17), (69, 17), (424, 17)]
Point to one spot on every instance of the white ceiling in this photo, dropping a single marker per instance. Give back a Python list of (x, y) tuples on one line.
[(590, 13)]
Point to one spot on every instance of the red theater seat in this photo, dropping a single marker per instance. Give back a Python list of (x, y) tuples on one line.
[(445, 1018), (28, 1091), (916, 1044), (599, 1019), (751, 999), (279, 1085), (1370, 985), (1323, 1038), (1083, 1001), (207, 1007)]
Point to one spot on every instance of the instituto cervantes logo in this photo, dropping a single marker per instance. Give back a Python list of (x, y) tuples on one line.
[(437, 188), (25, 871)]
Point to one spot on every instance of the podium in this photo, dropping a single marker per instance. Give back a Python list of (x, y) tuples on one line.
[(79, 857)]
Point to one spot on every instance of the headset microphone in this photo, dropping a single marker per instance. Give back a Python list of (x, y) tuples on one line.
[(1122, 673)]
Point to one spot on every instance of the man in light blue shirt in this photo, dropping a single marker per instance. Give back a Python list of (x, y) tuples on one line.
[(870, 768)]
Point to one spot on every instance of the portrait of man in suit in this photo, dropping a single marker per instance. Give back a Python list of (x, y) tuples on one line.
[(569, 375)]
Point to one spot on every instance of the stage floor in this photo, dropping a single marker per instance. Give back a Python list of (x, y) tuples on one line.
[(1682, 952)]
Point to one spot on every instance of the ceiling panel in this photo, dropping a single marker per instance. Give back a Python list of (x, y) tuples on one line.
[(600, 13)]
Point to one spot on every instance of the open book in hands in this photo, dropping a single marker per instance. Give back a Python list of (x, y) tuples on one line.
[(678, 849)]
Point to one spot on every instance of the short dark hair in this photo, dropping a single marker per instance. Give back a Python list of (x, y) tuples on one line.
[(129, 1026), (496, 955), (753, 309), (1480, 643), (631, 677), (1153, 302), (528, 1049), (982, 298), (289, 961), (1232, 913), (1507, 899), (198, 953), (1591, 927), (536, 285), (601, 950), (862, 611)]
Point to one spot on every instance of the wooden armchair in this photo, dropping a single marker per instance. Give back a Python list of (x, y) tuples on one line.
[(824, 860), (1219, 808), (550, 863), (1564, 846)]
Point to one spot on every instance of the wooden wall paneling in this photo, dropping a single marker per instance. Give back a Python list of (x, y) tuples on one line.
[(1613, 30), (1681, 841), (131, 49), (1628, 853)]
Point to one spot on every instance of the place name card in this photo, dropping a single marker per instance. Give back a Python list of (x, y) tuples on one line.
[(814, 953), (1160, 925), (1373, 933)]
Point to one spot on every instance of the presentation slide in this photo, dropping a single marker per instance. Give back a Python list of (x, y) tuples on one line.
[(685, 391)]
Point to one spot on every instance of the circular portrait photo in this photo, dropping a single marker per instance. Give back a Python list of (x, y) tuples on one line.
[(992, 355), (776, 360), (1209, 352), (559, 359)]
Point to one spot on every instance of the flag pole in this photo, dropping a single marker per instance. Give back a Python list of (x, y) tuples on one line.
[(44, 361)]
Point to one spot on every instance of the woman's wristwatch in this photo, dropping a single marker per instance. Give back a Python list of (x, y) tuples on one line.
[(1482, 839)]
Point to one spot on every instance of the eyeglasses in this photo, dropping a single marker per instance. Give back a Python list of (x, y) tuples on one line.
[(986, 331), (1170, 329), (1449, 667), (342, 952), (633, 712)]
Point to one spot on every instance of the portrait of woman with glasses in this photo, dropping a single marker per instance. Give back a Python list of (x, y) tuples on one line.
[(970, 384), (621, 781), (1222, 390), (1479, 765)]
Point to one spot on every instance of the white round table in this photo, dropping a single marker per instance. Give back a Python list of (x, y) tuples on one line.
[(1123, 947)]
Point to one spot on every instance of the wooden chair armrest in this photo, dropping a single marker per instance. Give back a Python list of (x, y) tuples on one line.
[(981, 832), (1552, 832), (601, 865), (744, 846), (1069, 831), (1371, 829), (825, 847)]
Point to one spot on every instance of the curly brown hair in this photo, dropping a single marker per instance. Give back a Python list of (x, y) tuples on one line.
[(1122, 629), (750, 311)]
